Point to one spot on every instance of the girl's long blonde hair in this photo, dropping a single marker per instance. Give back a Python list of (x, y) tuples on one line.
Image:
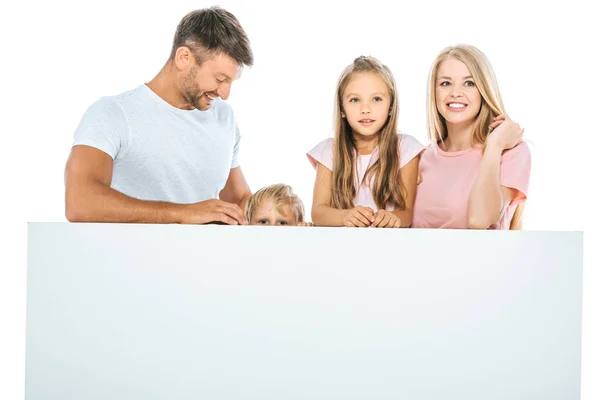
[(385, 172), (491, 105)]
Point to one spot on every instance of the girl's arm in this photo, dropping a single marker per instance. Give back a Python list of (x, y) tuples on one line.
[(488, 199), (408, 179), (324, 215), (408, 176)]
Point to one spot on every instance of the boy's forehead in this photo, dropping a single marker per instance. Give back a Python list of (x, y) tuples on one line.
[(286, 209), (269, 205), (265, 204)]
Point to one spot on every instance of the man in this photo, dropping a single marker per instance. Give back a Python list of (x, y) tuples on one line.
[(167, 151)]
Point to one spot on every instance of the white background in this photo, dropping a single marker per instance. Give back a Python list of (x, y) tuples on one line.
[(57, 58)]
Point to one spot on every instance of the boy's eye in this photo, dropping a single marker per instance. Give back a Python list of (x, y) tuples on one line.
[(263, 221), (283, 223)]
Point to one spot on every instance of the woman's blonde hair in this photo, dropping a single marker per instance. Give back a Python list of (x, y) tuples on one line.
[(491, 105), (385, 172), (281, 195)]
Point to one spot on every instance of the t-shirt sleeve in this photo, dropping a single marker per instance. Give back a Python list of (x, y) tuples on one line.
[(515, 168), (103, 126), (323, 154), (236, 148), (409, 148)]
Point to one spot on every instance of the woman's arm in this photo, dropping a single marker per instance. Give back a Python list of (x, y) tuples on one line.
[(488, 199)]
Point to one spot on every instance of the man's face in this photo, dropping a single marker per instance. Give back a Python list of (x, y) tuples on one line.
[(210, 80)]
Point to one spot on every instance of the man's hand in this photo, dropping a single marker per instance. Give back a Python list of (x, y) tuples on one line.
[(213, 210)]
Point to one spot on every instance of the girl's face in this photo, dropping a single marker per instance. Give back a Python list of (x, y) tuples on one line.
[(366, 104), (457, 98)]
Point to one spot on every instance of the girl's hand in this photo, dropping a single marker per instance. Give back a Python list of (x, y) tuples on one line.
[(359, 216), (386, 219), (505, 133)]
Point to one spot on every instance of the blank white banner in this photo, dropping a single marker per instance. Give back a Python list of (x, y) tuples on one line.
[(123, 311)]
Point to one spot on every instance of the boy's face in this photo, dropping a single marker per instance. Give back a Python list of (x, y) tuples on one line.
[(267, 214)]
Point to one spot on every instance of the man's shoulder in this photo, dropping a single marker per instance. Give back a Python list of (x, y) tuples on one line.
[(115, 103)]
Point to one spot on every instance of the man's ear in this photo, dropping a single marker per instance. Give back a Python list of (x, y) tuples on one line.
[(184, 58)]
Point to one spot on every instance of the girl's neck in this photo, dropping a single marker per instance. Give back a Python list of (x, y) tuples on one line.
[(365, 144)]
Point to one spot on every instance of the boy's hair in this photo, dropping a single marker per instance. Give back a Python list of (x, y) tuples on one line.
[(385, 172), (212, 31), (281, 195)]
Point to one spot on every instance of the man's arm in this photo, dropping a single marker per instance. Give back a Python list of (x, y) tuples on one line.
[(236, 189), (89, 197)]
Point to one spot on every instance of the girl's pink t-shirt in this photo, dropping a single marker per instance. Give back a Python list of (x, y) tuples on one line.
[(323, 154), (446, 179)]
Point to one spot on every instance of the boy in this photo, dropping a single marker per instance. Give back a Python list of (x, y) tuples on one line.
[(275, 205)]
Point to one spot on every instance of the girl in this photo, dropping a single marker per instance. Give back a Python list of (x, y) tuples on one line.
[(475, 173), (366, 174)]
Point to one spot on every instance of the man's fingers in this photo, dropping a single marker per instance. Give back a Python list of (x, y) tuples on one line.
[(224, 218), (232, 210)]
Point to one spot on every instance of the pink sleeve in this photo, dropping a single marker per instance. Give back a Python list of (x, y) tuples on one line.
[(409, 148), (515, 167), (323, 154)]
